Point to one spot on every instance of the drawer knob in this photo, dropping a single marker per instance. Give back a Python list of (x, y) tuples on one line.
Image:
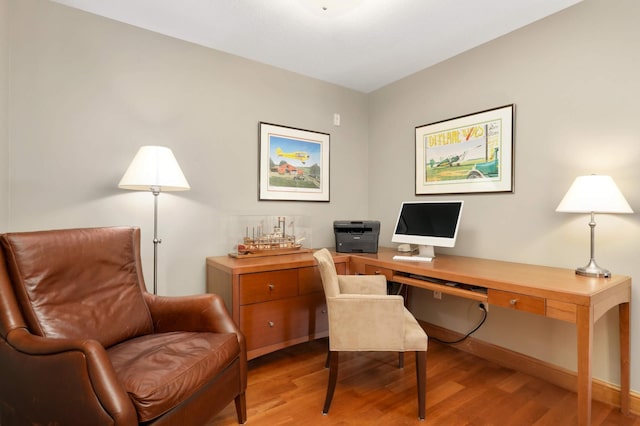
[(513, 301), (271, 287), (271, 323), (324, 311)]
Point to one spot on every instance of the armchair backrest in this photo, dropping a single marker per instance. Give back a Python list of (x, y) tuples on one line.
[(10, 315), (79, 283), (328, 272)]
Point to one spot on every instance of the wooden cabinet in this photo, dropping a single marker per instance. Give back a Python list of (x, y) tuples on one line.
[(277, 301)]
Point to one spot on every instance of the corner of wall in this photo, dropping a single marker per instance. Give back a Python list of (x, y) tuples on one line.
[(4, 132)]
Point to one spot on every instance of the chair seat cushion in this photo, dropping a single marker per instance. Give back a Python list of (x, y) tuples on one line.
[(160, 371)]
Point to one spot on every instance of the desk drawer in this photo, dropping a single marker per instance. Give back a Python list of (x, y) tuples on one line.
[(517, 301), (375, 270), (264, 286), (356, 268)]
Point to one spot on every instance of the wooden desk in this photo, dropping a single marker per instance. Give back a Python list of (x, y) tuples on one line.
[(277, 301), (552, 292)]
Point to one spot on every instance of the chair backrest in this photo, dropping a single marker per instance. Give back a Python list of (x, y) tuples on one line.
[(327, 272), (79, 283)]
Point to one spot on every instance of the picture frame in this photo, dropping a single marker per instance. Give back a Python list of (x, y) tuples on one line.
[(294, 164), (471, 153)]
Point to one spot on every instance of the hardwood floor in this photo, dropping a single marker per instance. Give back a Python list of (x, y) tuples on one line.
[(288, 388)]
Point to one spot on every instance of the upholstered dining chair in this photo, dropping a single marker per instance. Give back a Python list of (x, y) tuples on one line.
[(83, 343), (362, 317)]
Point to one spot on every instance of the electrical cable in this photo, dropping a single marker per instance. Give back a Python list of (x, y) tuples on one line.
[(484, 318), (400, 289)]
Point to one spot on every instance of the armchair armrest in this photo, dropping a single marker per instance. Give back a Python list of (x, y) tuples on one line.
[(71, 381), (375, 322), (362, 284), (198, 313)]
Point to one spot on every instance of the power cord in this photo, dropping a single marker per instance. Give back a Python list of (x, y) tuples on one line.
[(483, 308), (398, 291)]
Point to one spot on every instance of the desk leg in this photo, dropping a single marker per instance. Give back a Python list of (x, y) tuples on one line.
[(623, 313), (584, 325)]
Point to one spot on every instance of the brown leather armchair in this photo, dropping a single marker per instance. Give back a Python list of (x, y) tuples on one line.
[(83, 342)]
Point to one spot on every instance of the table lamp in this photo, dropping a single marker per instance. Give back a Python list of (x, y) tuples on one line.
[(154, 169), (593, 194)]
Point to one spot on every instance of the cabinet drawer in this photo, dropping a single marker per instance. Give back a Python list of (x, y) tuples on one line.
[(309, 279), (264, 286), (375, 270), (319, 318), (278, 321), (517, 301)]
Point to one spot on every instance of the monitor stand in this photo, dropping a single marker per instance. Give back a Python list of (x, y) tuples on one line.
[(426, 251), (425, 254)]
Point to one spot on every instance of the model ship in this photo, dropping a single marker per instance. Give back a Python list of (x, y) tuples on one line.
[(275, 242)]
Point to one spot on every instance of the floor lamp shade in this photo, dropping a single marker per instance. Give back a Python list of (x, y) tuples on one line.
[(593, 194), (154, 169)]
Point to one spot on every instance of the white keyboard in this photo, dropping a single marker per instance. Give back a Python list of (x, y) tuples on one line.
[(413, 258)]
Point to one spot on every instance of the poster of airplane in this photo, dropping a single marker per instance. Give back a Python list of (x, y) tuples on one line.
[(470, 153), (294, 163)]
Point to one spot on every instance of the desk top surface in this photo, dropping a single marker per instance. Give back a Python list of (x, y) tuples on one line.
[(546, 281), (543, 281)]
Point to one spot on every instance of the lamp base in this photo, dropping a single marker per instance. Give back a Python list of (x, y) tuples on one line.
[(593, 270)]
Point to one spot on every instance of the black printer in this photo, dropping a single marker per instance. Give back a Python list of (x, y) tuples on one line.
[(356, 236)]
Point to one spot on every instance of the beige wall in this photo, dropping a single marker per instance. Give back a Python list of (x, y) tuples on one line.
[(4, 143), (85, 92), (574, 80)]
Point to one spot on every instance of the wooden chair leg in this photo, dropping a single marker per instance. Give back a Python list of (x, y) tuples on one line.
[(333, 378), (241, 408), (400, 359), (421, 373), (328, 361)]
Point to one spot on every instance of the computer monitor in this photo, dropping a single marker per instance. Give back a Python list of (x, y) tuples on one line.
[(428, 224)]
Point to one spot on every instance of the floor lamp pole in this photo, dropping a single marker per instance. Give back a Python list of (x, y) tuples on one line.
[(154, 169), (156, 240)]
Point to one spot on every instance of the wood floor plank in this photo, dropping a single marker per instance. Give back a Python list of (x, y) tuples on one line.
[(288, 387)]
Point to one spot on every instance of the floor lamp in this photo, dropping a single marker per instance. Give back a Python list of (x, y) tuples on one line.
[(154, 169), (593, 194)]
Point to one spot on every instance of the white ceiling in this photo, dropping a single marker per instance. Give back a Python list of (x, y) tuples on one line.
[(359, 44)]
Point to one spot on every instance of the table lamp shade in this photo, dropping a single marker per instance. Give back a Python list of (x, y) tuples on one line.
[(154, 168), (594, 194)]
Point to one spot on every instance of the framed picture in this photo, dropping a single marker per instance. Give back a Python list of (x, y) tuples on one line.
[(468, 154), (294, 164)]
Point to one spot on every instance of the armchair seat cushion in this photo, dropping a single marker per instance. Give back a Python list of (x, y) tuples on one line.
[(160, 371)]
